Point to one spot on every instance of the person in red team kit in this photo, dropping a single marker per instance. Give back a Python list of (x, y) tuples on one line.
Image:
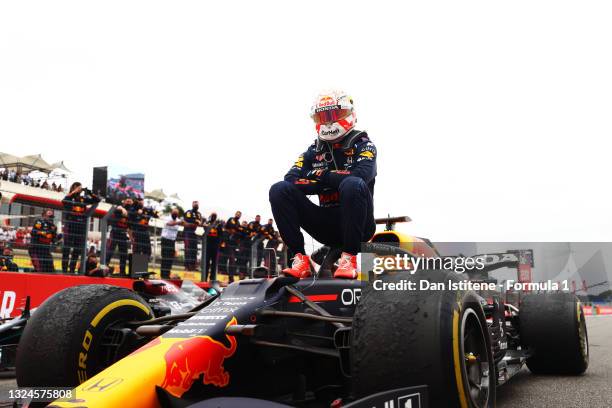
[(340, 167)]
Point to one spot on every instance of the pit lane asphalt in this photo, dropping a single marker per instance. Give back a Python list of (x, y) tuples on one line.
[(592, 389), (525, 390)]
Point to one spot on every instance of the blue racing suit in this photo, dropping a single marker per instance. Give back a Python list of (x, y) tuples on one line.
[(342, 174)]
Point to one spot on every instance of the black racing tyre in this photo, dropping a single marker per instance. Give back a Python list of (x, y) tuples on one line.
[(437, 338), (553, 326), (66, 341)]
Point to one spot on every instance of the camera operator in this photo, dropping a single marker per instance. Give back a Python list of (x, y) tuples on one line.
[(44, 233), (119, 238), (213, 235), (168, 240), (6, 261), (77, 204)]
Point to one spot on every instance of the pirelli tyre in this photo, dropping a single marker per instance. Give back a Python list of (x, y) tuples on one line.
[(553, 327), (74, 334), (437, 338)]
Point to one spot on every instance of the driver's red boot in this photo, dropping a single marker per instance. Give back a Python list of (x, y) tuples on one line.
[(347, 267), (300, 268)]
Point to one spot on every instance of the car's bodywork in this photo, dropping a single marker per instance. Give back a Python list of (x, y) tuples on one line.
[(22, 293), (279, 339), (271, 338)]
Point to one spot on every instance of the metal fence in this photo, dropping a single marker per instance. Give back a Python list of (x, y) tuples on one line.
[(38, 242), (97, 243), (194, 255)]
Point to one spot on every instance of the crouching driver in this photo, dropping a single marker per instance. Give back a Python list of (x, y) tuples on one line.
[(340, 167)]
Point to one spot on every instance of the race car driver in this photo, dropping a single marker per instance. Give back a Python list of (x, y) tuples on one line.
[(340, 167)]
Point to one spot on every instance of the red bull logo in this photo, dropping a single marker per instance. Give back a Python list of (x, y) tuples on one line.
[(326, 101), (186, 360)]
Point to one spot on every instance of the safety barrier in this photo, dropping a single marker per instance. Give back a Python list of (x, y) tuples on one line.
[(597, 310), (46, 240), (197, 255)]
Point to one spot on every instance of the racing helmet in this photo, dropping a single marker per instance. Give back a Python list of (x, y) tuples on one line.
[(333, 114)]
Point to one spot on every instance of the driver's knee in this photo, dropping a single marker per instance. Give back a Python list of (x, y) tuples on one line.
[(280, 190), (352, 188)]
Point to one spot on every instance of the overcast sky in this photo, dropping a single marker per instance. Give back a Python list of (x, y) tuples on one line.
[(492, 119)]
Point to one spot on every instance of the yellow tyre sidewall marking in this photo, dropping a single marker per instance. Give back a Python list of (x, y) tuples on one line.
[(124, 302), (457, 361), (88, 337), (584, 352)]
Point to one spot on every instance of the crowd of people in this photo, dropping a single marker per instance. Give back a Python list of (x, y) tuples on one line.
[(12, 237), (129, 225), (16, 177), (340, 168), (18, 237), (9, 234), (43, 236), (227, 245)]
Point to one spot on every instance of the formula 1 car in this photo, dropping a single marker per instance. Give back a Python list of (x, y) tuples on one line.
[(172, 296), (318, 342)]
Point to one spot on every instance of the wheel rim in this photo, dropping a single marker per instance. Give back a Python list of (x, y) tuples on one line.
[(475, 359)]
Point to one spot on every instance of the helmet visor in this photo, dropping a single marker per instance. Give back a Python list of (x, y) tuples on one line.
[(330, 115)]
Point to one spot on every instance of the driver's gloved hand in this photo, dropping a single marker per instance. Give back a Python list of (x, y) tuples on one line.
[(316, 174)]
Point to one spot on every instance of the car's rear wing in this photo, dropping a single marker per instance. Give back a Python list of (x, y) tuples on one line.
[(508, 259), (391, 221), (517, 259)]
